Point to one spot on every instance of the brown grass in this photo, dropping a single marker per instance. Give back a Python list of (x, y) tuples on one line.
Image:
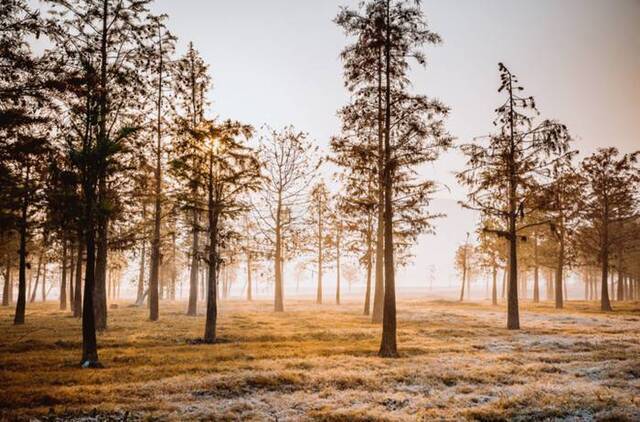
[(318, 362)]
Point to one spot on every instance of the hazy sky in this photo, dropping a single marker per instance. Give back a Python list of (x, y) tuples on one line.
[(277, 62)]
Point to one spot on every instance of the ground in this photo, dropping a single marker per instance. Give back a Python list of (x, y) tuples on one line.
[(318, 362)]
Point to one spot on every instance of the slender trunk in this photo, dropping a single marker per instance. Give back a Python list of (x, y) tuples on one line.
[(464, 282), (44, 281), (89, 341), (367, 294), (77, 309), (212, 285), (143, 254), (494, 286), (279, 299), (249, 287), (378, 295), (338, 264), (6, 293), (388, 346), (22, 272), (155, 245), (72, 266), (605, 304), (63, 281), (536, 272), (620, 292), (560, 273), (319, 290), (172, 291), (513, 313), (34, 292)]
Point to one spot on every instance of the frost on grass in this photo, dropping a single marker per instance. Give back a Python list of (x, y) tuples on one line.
[(319, 363)]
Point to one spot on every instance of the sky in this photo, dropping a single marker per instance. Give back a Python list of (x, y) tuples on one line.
[(277, 62)]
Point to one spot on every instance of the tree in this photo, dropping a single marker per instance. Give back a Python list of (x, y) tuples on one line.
[(319, 210), (104, 45), (609, 183), (389, 34), (190, 84), (462, 260), (561, 199), (504, 174), (226, 171), (164, 46), (289, 168)]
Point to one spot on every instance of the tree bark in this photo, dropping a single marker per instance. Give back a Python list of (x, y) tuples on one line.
[(388, 346), (249, 286), (6, 293), (63, 281), (560, 273), (77, 309), (319, 289), (378, 295), (34, 291), (338, 264), (494, 286), (155, 244), (536, 272), (513, 313), (367, 294), (22, 271), (278, 291)]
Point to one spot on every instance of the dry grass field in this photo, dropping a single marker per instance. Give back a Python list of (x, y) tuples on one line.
[(319, 363)]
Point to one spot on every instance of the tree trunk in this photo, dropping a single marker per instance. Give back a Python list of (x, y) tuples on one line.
[(212, 285), (620, 291), (605, 304), (536, 272), (77, 309), (34, 291), (319, 290), (155, 245), (63, 281), (367, 294), (249, 287), (494, 287), (378, 295), (560, 273), (278, 291), (464, 282), (338, 265), (388, 346), (513, 313), (89, 342), (72, 266), (44, 281), (100, 289), (6, 293), (143, 254), (22, 272)]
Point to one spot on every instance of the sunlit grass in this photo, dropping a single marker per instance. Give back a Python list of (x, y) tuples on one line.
[(319, 362)]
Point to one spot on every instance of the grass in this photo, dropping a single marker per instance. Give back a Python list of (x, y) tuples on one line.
[(318, 362)]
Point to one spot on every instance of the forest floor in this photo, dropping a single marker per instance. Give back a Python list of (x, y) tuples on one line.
[(318, 362)]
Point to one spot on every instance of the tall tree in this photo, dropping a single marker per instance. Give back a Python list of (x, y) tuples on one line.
[(163, 48), (191, 83), (319, 210), (610, 184), (289, 168), (505, 173)]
